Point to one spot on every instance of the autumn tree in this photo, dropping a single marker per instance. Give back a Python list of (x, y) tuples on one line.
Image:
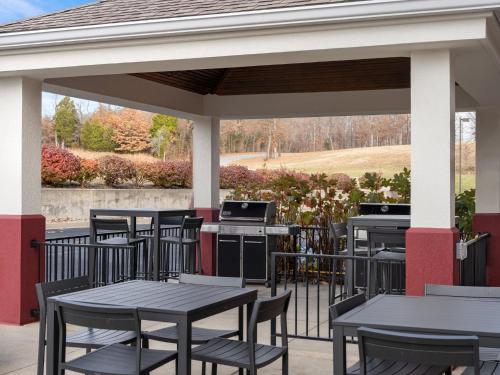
[(165, 135), (65, 122), (48, 135), (131, 131)]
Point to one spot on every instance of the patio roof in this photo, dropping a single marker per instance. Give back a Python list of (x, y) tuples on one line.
[(117, 11), (355, 75)]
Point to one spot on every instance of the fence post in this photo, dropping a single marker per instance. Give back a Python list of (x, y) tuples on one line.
[(273, 293)]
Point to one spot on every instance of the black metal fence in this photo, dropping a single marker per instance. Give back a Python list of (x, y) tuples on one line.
[(473, 256), (68, 257), (319, 280)]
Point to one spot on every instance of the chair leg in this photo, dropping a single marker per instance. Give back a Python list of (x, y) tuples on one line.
[(145, 343), (198, 248), (214, 368), (203, 368), (88, 350), (284, 364)]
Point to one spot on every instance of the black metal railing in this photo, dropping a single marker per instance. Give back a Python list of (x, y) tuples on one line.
[(319, 280), (68, 257), (473, 258)]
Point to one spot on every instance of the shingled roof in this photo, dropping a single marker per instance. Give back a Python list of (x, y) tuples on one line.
[(114, 11)]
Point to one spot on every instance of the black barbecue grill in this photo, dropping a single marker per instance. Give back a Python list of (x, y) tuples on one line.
[(246, 236)]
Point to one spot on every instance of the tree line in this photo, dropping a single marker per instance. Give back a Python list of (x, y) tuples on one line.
[(125, 130)]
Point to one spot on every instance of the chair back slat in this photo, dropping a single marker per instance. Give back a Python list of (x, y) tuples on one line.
[(168, 220), (462, 291), (346, 305), (336, 232), (110, 225), (236, 282), (271, 308), (431, 350), (190, 223), (57, 288), (98, 316)]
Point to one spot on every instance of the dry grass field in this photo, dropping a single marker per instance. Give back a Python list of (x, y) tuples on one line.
[(355, 162), (96, 155)]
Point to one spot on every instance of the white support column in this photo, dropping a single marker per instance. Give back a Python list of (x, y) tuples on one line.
[(488, 161), (430, 242), (20, 202), (206, 162), (20, 130), (433, 139)]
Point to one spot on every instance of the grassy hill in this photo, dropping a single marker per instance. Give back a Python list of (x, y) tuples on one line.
[(355, 162)]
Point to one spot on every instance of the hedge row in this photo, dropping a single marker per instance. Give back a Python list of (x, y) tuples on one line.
[(60, 167)]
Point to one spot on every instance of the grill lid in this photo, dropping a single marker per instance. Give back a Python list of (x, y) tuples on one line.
[(249, 211)]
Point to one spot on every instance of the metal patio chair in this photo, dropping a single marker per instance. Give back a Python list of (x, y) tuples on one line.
[(378, 365), (115, 359), (383, 352), (88, 338), (485, 354), (337, 235), (188, 238), (171, 225), (250, 355), (202, 335), (117, 236)]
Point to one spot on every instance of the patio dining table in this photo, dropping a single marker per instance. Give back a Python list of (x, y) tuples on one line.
[(133, 214), (181, 304), (434, 315)]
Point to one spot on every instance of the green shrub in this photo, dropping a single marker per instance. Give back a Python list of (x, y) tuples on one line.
[(96, 137)]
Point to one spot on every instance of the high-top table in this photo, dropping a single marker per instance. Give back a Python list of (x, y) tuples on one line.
[(364, 222), (133, 214), (182, 304), (431, 314)]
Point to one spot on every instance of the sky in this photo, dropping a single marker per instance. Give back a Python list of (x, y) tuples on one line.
[(13, 10)]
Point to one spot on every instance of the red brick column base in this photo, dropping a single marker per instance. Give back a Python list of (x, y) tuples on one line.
[(490, 223), (430, 258), (20, 266), (208, 241)]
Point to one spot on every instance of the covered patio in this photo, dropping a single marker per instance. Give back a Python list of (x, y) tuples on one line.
[(260, 59)]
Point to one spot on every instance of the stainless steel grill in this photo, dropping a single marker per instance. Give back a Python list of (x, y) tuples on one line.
[(246, 236)]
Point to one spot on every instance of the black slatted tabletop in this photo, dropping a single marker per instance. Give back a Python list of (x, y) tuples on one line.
[(157, 301), (441, 315)]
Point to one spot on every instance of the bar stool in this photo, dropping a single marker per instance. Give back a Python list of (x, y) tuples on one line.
[(337, 235), (169, 226), (115, 234), (188, 238)]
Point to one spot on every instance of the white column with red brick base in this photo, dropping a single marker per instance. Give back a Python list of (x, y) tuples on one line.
[(430, 254), (487, 218), (206, 166), (20, 220)]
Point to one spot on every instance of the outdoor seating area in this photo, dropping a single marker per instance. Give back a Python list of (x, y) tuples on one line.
[(289, 272)]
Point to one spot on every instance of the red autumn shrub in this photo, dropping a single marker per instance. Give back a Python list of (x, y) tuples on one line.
[(142, 170), (89, 170), (343, 181), (270, 175), (170, 174), (115, 170), (234, 176), (58, 166)]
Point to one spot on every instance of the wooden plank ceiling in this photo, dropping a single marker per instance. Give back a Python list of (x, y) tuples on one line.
[(354, 75)]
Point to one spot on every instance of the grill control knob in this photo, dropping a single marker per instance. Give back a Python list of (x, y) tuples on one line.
[(244, 205)]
